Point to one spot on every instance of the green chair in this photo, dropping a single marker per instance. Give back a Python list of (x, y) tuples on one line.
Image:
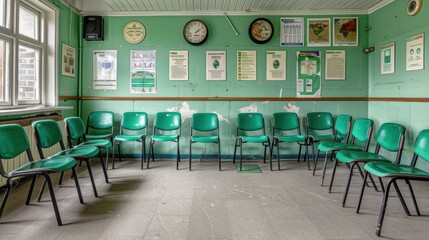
[(320, 127), (361, 138), (342, 127), (250, 129), (390, 137), (13, 142), (396, 171), (133, 128), (285, 128), (48, 134), (166, 128), (204, 129), (100, 125), (76, 132)]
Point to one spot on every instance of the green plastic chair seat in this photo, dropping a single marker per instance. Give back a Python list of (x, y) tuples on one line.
[(103, 143), (255, 139), (205, 139), (388, 169), (336, 146), (339, 138), (295, 138), (128, 138), (330, 137), (165, 138), (79, 152), (348, 156), (58, 164), (89, 136)]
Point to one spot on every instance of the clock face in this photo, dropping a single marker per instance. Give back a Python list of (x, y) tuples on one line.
[(195, 32), (134, 32), (261, 30)]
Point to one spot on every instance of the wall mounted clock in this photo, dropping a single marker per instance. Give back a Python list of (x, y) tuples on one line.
[(414, 7), (261, 30), (134, 32), (195, 32)]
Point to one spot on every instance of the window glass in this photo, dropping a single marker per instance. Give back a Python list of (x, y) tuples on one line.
[(3, 13), (28, 74), (28, 22), (4, 71)]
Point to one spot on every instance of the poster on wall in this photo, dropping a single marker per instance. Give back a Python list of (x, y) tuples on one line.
[(68, 61), (143, 71), (216, 65), (104, 69), (178, 65), (415, 53), (318, 32), (388, 58), (276, 65), (246, 65), (345, 31), (335, 67), (291, 31), (308, 74)]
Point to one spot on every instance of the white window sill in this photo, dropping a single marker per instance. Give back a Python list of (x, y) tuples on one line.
[(31, 110)]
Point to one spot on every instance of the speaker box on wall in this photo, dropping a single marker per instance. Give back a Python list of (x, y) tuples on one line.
[(93, 28)]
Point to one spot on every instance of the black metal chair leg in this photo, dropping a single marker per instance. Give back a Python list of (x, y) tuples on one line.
[(190, 154), (265, 151), (413, 197), (5, 198), (271, 157), (241, 154), (381, 183), (401, 198), (235, 151), (76, 182), (346, 191), (219, 156), (178, 155), (362, 192), (106, 177), (91, 177), (299, 152), (383, 209), (42, 190), (278, 155), (334, 169), (54, 200), (30, 190), (315, 165), (324, 167), (113, 154), (60, 181), (149, 154)]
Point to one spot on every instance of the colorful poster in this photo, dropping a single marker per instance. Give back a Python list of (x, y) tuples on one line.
[(345, 31), (387, 58), (246, 65), (291, 31), (308, 74), (415, 53), (178, 65), (68, 61), (216, 65), (143, 71), (104, 69), (335, 67), (318, 32), (276, 65)]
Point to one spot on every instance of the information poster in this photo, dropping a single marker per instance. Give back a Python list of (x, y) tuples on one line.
[(335, 67), (276, 65), (318, 32), (415, 53), (292, 32), (216, 65), (388, 58), (143, 71), (69, 61), (104, 70), (178, 65), (308, 74), (345, 31), (246, 65)]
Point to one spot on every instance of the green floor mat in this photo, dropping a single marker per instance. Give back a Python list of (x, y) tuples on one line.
[(249, 168)]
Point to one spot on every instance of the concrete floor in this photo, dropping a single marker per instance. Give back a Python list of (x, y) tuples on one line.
[(162, 203)]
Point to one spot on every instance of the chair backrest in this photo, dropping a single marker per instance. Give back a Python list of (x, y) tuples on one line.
[(391, 137), (421, 147), (75, 128), (134, 121), (284, 122), (48, 133), (362, 131), (168, 121), (342, 126), (100, 120), (13, 142), (204, 122), (320, 123)]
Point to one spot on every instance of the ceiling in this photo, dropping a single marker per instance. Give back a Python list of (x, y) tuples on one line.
[(212, 7)]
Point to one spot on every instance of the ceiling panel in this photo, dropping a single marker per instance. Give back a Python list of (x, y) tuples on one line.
[(201, 7)]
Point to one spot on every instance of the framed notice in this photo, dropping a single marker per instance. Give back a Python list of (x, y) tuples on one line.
[(318, 32), (178, 65), (346, 31), (292, 32), (104, 70), (216, 65), (415, 53), (68, 61), (308, 74), (335, 67), (142, 71), (387, 58), (246, 65), (276, 65)]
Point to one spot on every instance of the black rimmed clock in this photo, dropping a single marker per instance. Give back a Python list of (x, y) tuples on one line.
[(261, 30), (195, 32)]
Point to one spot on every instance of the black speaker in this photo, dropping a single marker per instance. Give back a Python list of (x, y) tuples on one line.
[(93, 28)]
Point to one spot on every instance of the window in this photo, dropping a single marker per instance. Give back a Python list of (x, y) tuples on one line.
[(26, 48)]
